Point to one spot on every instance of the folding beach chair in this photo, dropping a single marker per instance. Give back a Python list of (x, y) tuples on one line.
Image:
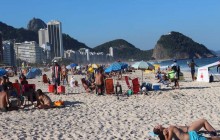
[(26, 88), (136, 85), (109, 86), (17, 87)]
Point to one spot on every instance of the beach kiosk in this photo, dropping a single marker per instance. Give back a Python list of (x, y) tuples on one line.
[(203, 72)]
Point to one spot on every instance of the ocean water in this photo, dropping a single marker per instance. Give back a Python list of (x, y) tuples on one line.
[(184, 67)]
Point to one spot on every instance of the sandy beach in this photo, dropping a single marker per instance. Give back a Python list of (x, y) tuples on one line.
[(88, 116)]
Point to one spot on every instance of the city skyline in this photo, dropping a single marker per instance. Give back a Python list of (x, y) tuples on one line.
[(139, 22)]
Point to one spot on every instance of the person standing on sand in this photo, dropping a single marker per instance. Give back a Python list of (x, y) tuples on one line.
[(99, 81), (176, 68), (56, 70), (192, 65)]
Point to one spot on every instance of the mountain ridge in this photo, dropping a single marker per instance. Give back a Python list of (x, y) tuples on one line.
[(173, 45)]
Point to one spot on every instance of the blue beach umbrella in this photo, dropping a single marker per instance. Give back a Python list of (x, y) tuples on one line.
[(2, 72), (116, 66), (123, 65), (71, 66)]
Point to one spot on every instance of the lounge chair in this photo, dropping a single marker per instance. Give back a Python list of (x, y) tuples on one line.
[(109, 86), (18, 88), (136, 86)]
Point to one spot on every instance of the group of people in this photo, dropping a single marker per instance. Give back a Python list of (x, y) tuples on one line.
[(94, 81), (172, 73), (13, 95)]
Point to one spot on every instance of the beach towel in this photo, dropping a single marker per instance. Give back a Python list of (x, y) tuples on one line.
[(127, 82)]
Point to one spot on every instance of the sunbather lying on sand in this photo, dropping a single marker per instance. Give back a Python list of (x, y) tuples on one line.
[(43, 101), (186, 132)]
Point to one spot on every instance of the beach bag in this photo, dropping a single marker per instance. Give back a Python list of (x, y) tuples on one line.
[(149, 87), (143, 85), (129, 92), (14, 102)]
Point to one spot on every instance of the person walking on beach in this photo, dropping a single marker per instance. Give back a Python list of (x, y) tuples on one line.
[(64, 74), (192, 65), (186, 132), (56, 70), (176, 68)]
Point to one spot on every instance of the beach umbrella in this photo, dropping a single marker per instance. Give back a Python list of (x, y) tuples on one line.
[(33, 73), (116, 66), (78, 67), (71, 66), (90, 70), (142, 65), (123, 65), (2, 72), (95, 66), (108, 70), (68, 67)]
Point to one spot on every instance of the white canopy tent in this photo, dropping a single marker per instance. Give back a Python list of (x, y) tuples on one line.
[(203, 72)]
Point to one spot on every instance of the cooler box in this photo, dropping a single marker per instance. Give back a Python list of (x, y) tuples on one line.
[(60, 89), (51, 88), (156, 86)]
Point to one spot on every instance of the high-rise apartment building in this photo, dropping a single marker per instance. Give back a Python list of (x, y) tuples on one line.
[(43, 36), (28, 51), (87, 54), (111, 51), (55, 38), (1, 49), (9, 53)]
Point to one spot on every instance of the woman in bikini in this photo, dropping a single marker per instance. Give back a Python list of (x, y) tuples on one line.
[(186, 132)]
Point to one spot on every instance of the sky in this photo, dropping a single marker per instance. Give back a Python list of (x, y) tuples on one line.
[(140, 22)]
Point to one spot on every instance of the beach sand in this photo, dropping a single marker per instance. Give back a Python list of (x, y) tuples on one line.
[(88, 116)]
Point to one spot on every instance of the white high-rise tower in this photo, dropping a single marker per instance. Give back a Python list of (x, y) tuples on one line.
[(111, 51), (55, 38), (43, 36)]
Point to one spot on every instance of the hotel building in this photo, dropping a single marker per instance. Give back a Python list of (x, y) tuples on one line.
[(28, 51)]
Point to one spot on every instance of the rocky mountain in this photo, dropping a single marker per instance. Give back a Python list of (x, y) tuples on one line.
[(35, 24), (124, 50), (17, 35), (179, 46)]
